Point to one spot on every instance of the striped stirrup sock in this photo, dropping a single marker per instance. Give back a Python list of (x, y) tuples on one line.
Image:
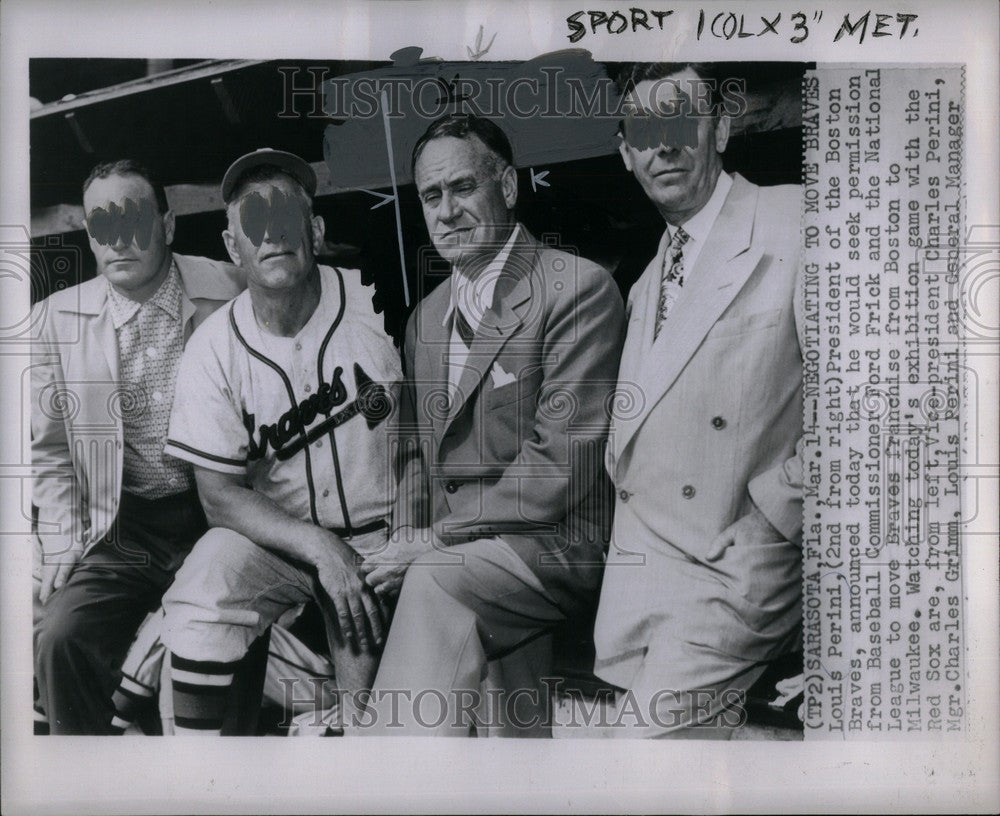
[(201, 694), (130, 698)]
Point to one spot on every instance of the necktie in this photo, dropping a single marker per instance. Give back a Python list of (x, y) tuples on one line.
[(671, 278), (466, 334), (463, 328)]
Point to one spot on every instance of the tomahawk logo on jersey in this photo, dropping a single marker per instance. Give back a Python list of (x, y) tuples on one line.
[(307, 418), (291, 433)]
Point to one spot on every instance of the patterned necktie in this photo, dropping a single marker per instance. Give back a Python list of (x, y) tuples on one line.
[(671, 278)]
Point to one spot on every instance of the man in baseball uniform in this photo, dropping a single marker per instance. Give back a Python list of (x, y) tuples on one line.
[(115, 515), (284, 403)]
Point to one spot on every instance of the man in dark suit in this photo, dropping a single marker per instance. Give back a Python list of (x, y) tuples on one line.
[(501, 518), (703, 580)]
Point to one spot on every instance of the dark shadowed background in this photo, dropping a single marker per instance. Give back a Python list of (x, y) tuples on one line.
[(188, 120)]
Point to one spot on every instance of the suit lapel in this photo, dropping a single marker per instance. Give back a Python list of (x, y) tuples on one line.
[(639, 334), (93, 304), (512, 292), (188, 311), (109, 343), (645, 297), (722, 268), (651, 306), (431, 350)]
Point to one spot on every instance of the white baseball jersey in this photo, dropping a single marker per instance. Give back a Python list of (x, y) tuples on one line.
[(308, 419)]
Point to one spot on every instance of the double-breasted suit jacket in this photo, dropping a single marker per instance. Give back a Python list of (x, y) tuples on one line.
[(716, 427)]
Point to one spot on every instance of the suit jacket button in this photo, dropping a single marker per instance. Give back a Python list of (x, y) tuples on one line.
[(687, 491), (718, 423), (623, 495), (451, 487)]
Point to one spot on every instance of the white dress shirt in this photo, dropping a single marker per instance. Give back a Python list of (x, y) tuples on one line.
[(473, 298), (698, 226)]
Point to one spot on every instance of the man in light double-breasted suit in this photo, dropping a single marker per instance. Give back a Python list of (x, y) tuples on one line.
[(503, 510), (702, 585)]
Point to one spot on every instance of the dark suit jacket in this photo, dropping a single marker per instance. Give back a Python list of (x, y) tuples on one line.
[(518, 452)]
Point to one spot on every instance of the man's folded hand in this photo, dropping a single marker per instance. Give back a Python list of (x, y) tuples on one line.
[(353, 603), (384, 571)]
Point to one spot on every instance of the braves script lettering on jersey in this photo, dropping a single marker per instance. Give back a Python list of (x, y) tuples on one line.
[(270, 407)]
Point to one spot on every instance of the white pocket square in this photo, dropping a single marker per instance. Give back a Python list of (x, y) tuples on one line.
[(501, 377)]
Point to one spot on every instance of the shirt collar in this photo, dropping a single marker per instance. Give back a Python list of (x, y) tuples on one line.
[(122, 308), (699, 225), (167, 298), (476, 300)]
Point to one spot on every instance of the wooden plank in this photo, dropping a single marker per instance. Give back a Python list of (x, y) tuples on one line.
[(55, 220), (209, 68)]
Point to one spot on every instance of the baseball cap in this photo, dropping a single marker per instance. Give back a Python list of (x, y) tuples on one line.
[(295, 166)]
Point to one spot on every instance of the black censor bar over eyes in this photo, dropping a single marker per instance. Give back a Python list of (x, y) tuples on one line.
[(127, 221), (283, 218), (650, 129)]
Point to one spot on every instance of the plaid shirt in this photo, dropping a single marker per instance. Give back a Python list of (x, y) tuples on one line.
[(150, 343)]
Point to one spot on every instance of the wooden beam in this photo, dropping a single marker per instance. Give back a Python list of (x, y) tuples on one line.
[(55, 220), (209, 68)]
